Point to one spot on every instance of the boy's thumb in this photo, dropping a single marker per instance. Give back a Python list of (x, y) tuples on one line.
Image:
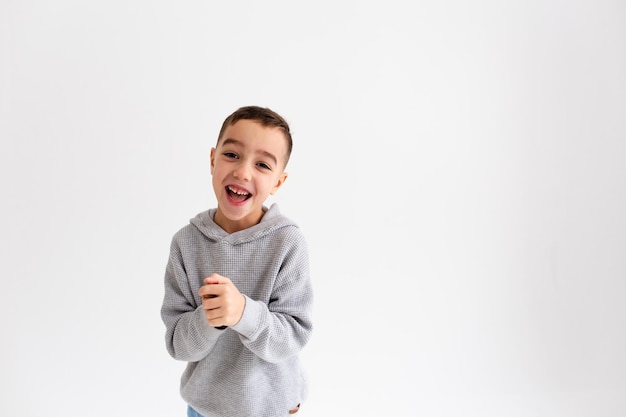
[(213, 279)]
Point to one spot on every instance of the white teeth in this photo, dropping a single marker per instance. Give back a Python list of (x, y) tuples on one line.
[(237, 192)]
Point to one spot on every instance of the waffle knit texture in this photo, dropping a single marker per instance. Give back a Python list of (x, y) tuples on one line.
[(251, 369)]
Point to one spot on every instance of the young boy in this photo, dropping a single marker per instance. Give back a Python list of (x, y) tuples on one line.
[(238, 295)]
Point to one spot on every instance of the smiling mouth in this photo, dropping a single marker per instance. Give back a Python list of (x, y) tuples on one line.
[(237, 195)]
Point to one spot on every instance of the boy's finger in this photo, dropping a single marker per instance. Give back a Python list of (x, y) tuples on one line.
[(209, 291)]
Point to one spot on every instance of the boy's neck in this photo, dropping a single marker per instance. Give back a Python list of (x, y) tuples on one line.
[(232, 226)]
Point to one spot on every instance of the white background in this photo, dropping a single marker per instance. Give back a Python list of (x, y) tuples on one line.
[(459, 169)]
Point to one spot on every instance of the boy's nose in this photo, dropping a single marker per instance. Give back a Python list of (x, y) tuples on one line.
[(242, 172)]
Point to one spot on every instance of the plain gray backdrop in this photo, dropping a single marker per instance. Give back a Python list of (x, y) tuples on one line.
[(459, 170)]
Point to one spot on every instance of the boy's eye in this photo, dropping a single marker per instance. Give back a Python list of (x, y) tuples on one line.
[(263, 165), (230, 154)]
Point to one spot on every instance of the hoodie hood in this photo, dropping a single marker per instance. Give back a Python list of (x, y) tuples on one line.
[(271, 221)]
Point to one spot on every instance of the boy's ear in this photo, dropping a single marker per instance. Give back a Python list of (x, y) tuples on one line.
[(280, 182), (212, 160)]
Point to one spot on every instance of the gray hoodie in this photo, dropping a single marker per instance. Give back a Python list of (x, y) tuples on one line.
[(252, 368)]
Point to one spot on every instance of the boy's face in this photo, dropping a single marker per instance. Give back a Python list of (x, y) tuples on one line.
[(247, 166)]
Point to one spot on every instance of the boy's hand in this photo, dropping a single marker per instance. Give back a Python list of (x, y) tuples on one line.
[(223, 303)]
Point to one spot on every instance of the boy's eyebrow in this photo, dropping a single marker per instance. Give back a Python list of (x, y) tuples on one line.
[(231, 141)]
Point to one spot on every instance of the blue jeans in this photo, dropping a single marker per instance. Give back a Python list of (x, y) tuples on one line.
[(192, 413)]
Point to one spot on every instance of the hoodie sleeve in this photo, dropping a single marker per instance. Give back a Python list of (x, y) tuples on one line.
[(188, 335), (283, 327)]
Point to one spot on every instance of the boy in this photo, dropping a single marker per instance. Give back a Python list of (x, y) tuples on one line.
[(238, 296)]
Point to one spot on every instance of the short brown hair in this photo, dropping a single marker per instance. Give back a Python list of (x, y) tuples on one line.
[(265, 116)]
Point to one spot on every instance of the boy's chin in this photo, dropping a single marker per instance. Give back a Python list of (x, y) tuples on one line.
[(239, 211)]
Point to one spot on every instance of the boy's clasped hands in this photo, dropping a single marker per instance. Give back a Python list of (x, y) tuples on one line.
[(223, 303)]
